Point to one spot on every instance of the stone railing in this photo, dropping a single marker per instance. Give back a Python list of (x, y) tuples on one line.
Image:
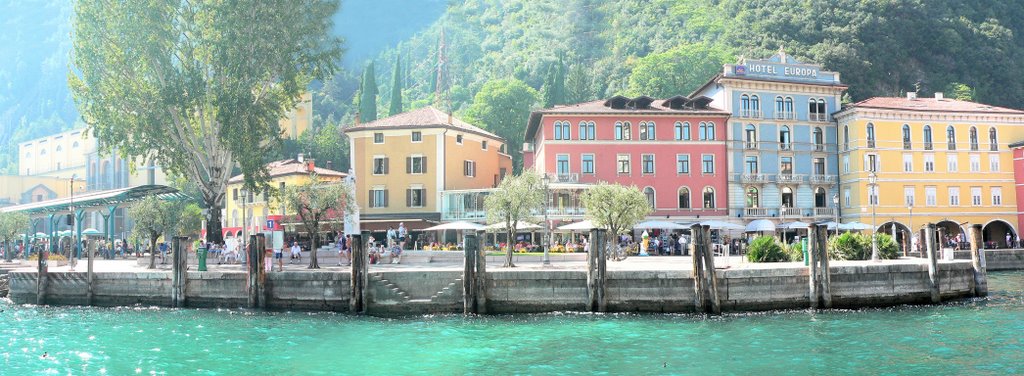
[(823, 179), (825, 212), (756, 212)]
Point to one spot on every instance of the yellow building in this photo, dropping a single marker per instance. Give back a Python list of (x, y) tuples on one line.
[(260, 206), (17, 190), (297, 121), (60, 155), (402, 164), (935, 160)]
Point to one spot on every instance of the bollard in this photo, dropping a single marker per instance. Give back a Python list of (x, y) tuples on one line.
[(978, 261), (933, 264), (469, 274), (481, 276), (201, 258), (596, 268), (359, 277)]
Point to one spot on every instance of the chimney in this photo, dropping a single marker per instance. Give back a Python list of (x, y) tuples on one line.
[(330, 165), (911, 95), (301, 158), (357, 118), (310, 165), (449, 118), (938, 95)]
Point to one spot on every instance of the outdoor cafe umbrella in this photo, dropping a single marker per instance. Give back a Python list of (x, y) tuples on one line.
[(458, 225), (91, 231), (661, 225), (854, 226), (42, 235), (760, 225), (795, 225), (581, 225), (64, 233), (519, 226), (721, 225)]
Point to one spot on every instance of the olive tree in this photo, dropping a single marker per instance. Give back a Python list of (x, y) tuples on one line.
[(154, 217), (517, 199), (615, 207), (317, 201), (12, 224)]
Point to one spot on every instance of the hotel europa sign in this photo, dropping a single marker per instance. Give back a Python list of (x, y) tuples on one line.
[(775, 70)]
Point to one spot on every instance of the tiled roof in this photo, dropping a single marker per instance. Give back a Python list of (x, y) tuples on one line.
[(601, 106), (932, 104), (427, 117), (290, 167)]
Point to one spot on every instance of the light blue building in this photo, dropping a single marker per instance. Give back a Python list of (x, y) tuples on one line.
[(782, 140)]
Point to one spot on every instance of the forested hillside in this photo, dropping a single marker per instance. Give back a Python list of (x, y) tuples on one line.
[(662, 47)]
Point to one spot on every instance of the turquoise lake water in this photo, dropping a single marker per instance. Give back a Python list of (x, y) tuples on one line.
[(976, 337)]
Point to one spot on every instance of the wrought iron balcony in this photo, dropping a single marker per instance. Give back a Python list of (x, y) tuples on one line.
[(754, 178), (567, 178), (789, 178), (818, 117), (823, 179), (753, 114)]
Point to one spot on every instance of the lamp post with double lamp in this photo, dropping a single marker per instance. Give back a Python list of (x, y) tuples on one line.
[(547, 236), (835, 207), (873, 198)]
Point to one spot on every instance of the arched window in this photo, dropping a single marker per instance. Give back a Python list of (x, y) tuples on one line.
[(819, 197), (683, 131), (618, 130), (684, 198), (787, 197), (60, 148), (42, 152), (755, 106), (906, 137), (780, 108), (709, 128), (753, 198), (951, 138), (927, 137), (822, 114), (74, 145), (972, 136), (709, 198), (784, 139), (819, 139), (751, 136), (647, 131), (745, 105), (846, 137), (789, 108), (871, 135), (649, 192), (993, 143), (678, 128), (627, 133)]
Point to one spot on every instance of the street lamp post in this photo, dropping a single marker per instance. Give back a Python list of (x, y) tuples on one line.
[(547, 236), (835, 204), (910, 241), (782, 219), (873, 197), (74, 246), (245, 223)]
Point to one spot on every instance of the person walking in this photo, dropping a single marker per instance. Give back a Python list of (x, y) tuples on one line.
[(403, 233), (279, 256), (390, 236)]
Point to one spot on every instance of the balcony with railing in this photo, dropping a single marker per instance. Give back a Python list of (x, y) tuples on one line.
[(750, 145), (818, 117), (789, 178), (789, 212), (752, 114), (823, 179), (756, 212), (785, 146), (825, 212), (785, 115), (754, 178), (566, 178), (819, 147), (907, 145)]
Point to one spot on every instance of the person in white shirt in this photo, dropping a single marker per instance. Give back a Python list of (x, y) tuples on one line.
[(296, 252)]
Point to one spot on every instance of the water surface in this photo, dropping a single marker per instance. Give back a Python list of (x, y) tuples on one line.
[(978, 336)]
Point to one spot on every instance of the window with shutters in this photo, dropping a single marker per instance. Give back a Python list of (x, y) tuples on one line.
[(416, 197), (378, 198), (469, 168), (993, 162), (380, 165), (416, 164), (975, 163), (929, 162), (952, 163), (929, 196), (908, 163), (997, 196), (976, 196), (954, 196)]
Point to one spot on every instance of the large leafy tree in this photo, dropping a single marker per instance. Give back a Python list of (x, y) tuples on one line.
[(12, 224), (503, 106), (154, 218), (615, 207), (518, 199), (317, 201), (677, 71), (199, 85)]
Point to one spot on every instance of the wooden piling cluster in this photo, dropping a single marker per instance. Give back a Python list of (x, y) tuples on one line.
[(257, 271), (705, 282), (819, 273), (474, 277), (179, 270), (359, 274), (597, 270), (978, 261), (933, 263)]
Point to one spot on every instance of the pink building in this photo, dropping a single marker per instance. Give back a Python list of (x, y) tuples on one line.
[(673, 149)]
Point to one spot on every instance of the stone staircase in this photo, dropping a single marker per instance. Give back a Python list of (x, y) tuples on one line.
[(451, 292)]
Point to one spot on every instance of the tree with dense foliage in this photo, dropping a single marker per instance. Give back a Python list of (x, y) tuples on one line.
[(766, 249), (502, 106), (678, 71), (615, 207), (198, 85), (316, 201), (396, 88), (554, 85), (153, 218), (368, 95), (518, 199), (12, 224), (857, 246)]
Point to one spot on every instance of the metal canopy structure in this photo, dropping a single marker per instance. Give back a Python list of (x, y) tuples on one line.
[(97, 199)]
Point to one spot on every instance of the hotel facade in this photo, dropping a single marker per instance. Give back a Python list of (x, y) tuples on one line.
[(934, 160)]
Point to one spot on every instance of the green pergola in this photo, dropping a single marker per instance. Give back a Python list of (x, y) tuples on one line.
[(110, 200)]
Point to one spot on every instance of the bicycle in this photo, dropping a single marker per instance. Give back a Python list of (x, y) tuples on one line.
[(620, 252)]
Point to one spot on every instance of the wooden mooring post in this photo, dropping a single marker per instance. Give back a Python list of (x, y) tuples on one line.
[(42, 271), (978, 261), (597, 267), (469, 290), (480, 283), (179, 271), (89, 274), (818, 271), (933, 264), (360, 278), (254, 261), (705, 279)]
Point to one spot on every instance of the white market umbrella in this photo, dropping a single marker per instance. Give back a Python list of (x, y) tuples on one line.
[(91, 231), (721, 225), (854, 226), (795, 225), (760, 225), (581, 225), (661, 225), (519, 227), (458, 225)]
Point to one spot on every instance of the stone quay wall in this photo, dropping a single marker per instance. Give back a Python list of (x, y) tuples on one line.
[(400, 292)]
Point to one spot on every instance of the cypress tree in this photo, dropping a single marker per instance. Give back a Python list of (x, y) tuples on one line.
[(396, 88), (368, 95), (559, 95)]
